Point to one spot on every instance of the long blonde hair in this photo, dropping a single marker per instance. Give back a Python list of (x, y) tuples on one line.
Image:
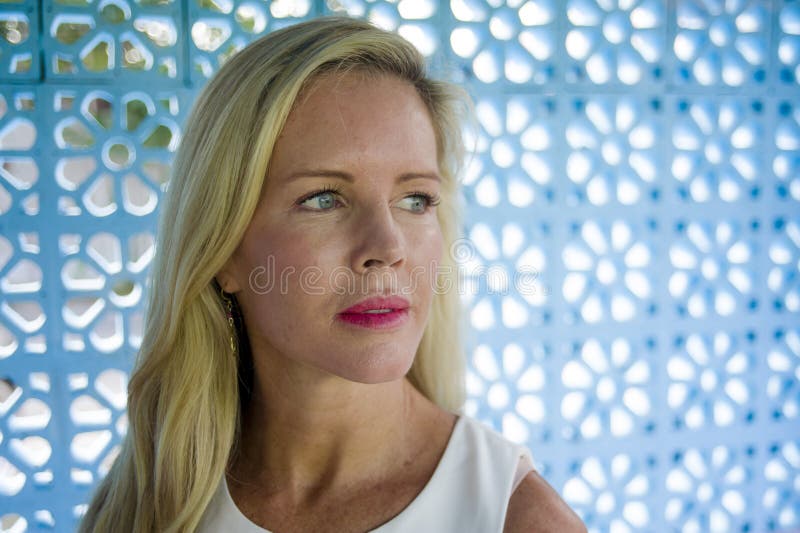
[(186, 390)]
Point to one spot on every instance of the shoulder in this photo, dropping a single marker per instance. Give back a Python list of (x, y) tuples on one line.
[(536, 507)]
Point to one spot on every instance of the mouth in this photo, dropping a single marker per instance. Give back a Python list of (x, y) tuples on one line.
[(377, 312), (378, 304), (378, 319)]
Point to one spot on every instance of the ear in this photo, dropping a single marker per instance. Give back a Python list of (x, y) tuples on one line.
[(226, 277)]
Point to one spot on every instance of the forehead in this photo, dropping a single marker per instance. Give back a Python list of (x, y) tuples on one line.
[(352, 118)]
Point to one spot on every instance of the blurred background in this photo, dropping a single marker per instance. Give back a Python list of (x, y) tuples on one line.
[(631, 269)]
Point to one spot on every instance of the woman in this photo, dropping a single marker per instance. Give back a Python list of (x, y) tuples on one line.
[(300, 369)]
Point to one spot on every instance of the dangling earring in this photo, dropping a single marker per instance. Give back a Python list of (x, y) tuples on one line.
[(231, 325)]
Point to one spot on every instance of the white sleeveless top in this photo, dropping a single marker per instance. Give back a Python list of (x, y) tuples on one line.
[(468, 491)]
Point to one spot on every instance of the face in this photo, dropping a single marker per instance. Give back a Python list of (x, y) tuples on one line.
[(347, 212)]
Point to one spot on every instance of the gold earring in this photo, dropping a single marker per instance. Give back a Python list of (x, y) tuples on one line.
[(231, 325)]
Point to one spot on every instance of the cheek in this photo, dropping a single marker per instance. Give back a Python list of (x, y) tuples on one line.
[(435, 241), (425, 251), (270, 266), (284, 253), (279, 307)]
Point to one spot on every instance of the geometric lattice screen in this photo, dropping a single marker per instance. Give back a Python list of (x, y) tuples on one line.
[(632, 266)]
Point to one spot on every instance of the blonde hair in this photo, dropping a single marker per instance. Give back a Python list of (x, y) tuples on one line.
[(186, 390)]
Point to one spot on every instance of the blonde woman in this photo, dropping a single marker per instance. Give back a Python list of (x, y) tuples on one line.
[(301, 367)]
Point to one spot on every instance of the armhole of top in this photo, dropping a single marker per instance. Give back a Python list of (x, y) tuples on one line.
[(524, 467)]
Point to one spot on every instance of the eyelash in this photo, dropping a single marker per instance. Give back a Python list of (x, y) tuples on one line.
[(325, 189), (432, 200)]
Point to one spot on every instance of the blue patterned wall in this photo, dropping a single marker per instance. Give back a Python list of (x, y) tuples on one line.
[(632, 267)]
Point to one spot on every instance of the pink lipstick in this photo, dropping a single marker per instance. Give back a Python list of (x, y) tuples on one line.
[(377, 312)]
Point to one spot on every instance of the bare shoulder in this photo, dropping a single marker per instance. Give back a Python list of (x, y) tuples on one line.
[(536, 507)]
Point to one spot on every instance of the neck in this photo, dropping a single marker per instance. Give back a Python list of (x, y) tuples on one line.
[(305, 432)]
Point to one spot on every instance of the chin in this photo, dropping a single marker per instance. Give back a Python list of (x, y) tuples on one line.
[(378, 369)]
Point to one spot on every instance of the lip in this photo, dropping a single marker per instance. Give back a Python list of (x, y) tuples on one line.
[(356, 315), (377, 302)]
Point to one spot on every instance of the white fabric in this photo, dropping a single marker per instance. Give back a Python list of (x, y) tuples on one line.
[(523, 468), (468, 492)]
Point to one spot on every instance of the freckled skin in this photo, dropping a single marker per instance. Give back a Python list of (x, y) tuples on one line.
[(321, 451), (374, 128)]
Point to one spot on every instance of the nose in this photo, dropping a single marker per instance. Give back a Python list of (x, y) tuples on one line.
[(381, 242)]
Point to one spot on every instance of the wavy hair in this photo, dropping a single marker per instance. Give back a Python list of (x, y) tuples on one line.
[(187, 389)]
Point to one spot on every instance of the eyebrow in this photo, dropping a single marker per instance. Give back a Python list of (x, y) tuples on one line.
[(323, 173)]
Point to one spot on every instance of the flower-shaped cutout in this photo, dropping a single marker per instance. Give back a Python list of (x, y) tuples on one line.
[(712, 269), (783, 277), (26, 447), (21, 277), (220, 28), (785, 163), (781, 499), (606, 389), (607, 272), (108, 143), (788, 43), (515, 149), (98, 416), (105, 287), (783, 381), (508, 386), (19, 41), (610, 41), (113, 38), (613, 151), (711, 380), (718, 151), (513, 40), (18, 141), (708, 490), (721, 42), (611, 495), (508, 273), (414, 20)]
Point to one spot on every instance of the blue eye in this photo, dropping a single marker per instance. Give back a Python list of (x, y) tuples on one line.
[(421, 201), (325, 199)]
